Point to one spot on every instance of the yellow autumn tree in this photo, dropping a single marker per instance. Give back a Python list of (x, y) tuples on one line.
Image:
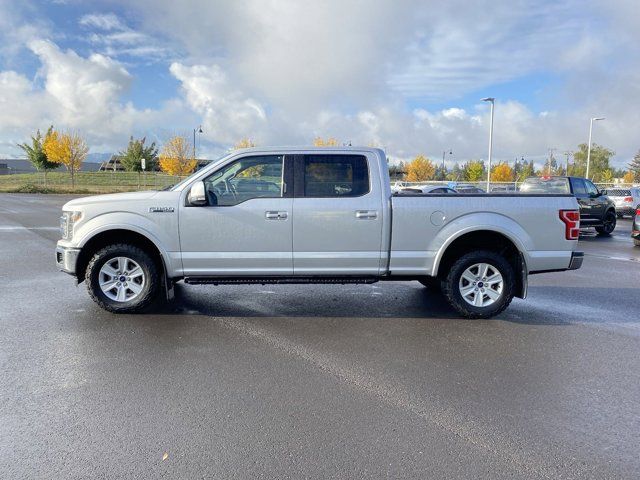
[(321, 142), (69, 149), (244, 143), (502, 173), (420, 169), (176, 157), (629, 177)]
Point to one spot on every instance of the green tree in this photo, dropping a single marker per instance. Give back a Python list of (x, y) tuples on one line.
[(37, 156), (131, 157), (634, 167), (599, 162), (474, 171), (526, 170)]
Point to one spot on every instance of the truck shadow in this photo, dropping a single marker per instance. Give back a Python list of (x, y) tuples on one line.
[(388, 300)]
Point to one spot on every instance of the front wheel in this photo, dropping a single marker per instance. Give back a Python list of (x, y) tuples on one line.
[(608, 224), (480, 284), (122, 278)]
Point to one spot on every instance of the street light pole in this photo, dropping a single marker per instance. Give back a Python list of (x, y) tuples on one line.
[(195, 130), (492, 100), (589, 147), (444, 172)]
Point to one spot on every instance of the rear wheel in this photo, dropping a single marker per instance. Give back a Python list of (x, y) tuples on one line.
[(122, 278), (480, 284), (608, 224)]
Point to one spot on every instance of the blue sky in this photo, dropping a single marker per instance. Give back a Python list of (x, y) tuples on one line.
[(406, 75)]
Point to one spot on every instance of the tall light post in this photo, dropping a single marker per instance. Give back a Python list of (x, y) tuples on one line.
[(589, 147), (493, 101), (195, 130), (444, 171)]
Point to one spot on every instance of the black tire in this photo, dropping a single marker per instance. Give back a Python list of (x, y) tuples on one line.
[(150, 288), (432, 283), (608, 224), (451, 290), (636, 242)]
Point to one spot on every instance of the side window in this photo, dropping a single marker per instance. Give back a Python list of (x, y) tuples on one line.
[(244, 179), (591, 188), (335, 176), (578, 186)]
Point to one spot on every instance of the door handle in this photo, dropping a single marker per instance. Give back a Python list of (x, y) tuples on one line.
[(273, 215), (366, 214)]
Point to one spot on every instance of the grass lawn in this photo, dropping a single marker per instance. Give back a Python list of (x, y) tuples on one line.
[(85, 182)]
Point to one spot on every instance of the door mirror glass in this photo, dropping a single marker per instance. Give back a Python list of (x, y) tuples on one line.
[(197, 195)]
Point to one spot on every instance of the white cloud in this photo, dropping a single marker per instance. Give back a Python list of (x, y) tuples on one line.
[(114, 38), (102, 21)]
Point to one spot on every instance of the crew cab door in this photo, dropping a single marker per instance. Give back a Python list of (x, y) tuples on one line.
[(597, 201), (579, 189), (245, 228), (337, 215)]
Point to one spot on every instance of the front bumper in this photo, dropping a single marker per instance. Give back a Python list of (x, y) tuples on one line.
[(67, 258), (576, 260)]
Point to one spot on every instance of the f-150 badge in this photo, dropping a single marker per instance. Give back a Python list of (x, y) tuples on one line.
[(161, 209)]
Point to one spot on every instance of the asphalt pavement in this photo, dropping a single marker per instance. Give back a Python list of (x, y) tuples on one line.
[(326, 381)]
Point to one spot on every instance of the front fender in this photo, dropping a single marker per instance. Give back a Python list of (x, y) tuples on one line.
[(160, 236)]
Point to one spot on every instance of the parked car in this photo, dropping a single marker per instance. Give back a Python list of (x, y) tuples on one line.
[(596, 209), (428, 189), (468, 189), (333, 219), (623, 200), (635, 230), (503, 188)]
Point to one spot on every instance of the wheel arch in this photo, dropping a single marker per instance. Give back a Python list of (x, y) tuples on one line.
[(484, 239), (111, 236)]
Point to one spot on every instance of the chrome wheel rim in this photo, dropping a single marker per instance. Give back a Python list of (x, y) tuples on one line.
[(481, 285), (121, 279)]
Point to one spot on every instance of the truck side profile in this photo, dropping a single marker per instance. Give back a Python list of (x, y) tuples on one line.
[(314, 215)]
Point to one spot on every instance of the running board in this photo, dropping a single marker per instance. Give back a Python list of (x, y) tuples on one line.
[(274, 280)]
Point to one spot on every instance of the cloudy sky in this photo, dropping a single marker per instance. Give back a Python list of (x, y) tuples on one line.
[(401, 74)]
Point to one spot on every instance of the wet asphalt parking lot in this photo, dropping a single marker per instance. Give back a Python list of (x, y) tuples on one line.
[(370, 381)]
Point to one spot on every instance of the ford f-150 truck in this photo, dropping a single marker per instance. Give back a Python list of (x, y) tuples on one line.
[(314, 215)]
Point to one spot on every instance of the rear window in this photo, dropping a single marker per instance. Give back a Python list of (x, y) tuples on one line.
[(335, 176), (545, 185)]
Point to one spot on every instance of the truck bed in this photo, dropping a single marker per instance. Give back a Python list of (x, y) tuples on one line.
[(425, 224)]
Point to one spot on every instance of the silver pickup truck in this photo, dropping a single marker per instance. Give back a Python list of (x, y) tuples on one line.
[(314, 215)]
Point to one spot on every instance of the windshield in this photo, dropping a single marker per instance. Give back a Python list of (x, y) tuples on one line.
[(179, 185), (546, 185)]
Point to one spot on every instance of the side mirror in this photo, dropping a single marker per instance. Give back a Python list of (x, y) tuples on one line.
[(197, 195)]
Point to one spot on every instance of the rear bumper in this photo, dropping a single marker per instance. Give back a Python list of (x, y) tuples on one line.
[(67, 258), (576, 260)]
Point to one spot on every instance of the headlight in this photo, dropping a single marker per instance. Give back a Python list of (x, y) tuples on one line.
[(67, 220)]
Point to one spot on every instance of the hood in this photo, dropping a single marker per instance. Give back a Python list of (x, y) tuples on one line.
[(112, 197)]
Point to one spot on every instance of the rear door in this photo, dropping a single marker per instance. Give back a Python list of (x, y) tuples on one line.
[(337, 215)]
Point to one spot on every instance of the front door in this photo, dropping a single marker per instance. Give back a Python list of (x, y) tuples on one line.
[(337, 216), (245, 228)]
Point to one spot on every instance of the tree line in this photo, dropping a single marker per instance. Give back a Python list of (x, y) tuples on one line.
[(176, 157), (422, 169)]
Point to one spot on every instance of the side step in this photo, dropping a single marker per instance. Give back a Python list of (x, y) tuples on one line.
[(274, 280)]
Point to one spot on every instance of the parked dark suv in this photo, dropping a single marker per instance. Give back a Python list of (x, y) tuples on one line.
[(596, 209)]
